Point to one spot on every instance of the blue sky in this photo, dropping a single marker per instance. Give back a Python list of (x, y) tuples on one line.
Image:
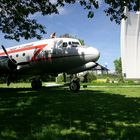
[(98, 32)]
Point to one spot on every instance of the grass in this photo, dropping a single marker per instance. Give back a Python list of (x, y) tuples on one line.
[(100, 113)]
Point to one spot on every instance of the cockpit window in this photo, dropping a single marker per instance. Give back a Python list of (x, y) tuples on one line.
[(65, 44), (75, 43), (60, 43)]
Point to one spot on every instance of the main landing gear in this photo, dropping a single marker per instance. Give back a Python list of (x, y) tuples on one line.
[(74, 85), (36, 83)]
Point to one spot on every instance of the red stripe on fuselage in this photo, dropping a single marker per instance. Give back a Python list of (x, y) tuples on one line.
[(39, 47)]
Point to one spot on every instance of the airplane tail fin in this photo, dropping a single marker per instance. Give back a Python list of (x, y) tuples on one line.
[(53, 35)]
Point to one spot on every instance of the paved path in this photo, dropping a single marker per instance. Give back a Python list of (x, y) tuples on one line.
[(115, 86), (52, 84)]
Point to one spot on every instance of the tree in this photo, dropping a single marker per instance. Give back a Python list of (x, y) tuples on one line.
[(118, 66), (82, 41), (15, 22)]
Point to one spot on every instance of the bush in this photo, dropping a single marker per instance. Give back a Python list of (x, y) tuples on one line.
[(107, 80), (98, 81), (48, 78), (3, 79), (60, 78), (89, 77), (121, 80), (130, 82)]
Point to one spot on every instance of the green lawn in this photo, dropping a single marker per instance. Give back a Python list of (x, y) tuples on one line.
[(101, 113)]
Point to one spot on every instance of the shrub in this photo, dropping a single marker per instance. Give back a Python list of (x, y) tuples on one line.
[(121, 80), (107, 80), (89, 77), (98, 81), (130, 82), (60, 78)]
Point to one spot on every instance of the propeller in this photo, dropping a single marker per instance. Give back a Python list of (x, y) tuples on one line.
[(12, 66), (5, 50), (14, 62)]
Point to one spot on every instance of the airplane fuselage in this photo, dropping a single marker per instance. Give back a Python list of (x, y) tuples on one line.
[(50, 56)]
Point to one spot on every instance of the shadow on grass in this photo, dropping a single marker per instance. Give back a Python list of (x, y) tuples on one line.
[(57, 114)]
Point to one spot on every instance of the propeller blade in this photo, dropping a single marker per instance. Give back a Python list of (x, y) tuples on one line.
[(5, 51), (12, 66), (7, 54)]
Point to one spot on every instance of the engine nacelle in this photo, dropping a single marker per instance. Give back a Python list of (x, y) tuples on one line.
[(6, 65), (85, 67)]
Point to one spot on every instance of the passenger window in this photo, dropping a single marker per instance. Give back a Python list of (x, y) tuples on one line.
[(65, 44), (16, 55), (23, 54)]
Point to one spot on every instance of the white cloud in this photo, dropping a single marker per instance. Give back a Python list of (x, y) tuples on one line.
[(34, 15), (53, 1), (62, 10), (100, 2)]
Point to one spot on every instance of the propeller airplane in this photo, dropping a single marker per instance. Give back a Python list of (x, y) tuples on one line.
[(49, 56)]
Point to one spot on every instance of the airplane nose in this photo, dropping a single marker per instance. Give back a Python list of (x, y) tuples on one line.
[(93, 54), (97, 54)]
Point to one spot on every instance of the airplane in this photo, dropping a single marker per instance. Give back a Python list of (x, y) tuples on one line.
[(48, 56)]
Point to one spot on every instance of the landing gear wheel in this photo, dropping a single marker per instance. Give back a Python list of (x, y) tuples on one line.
[(36, 84), (74, 86)]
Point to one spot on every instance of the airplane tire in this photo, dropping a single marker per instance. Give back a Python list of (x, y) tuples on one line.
[(36, 84), (74, 86)]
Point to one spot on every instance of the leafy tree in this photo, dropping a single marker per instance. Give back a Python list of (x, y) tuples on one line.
[(82, 41), (15, 22), (118, 66)]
